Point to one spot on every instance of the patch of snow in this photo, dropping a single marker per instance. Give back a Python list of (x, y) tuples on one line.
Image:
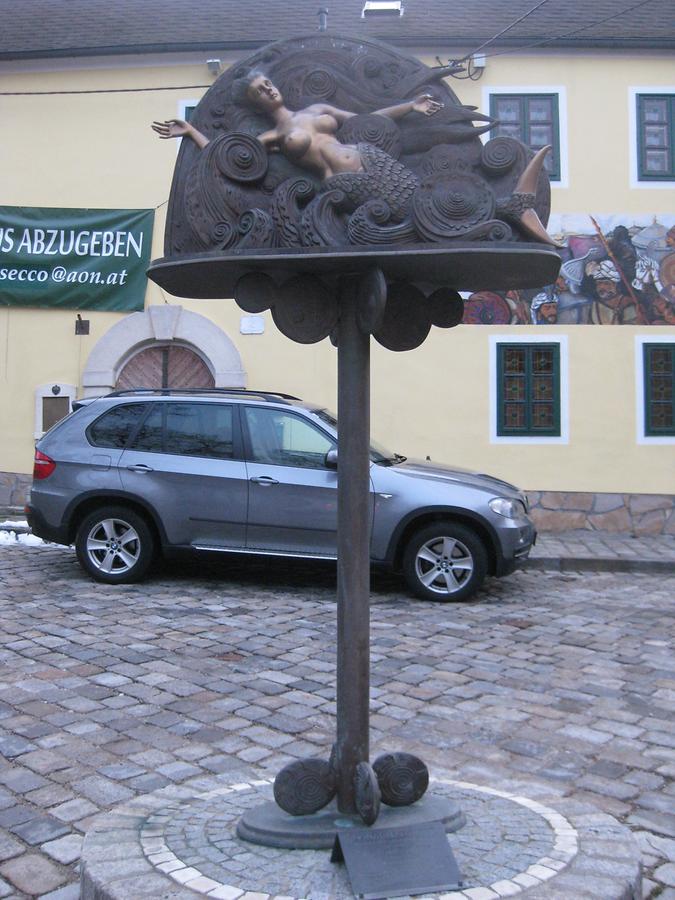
[(9, 537)]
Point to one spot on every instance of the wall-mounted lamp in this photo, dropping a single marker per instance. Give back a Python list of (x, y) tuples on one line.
[(372, 8), (214, 66), (479, 61)]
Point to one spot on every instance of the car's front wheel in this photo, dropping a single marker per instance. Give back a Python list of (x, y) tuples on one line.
[(445, 561), (115, 545)]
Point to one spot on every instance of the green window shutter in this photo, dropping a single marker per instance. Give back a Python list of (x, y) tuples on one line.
[(533, 119), (656, 137), (659, 381), (528, 390)]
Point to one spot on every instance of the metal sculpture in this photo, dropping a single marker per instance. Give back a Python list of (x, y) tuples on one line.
[(291, 194)]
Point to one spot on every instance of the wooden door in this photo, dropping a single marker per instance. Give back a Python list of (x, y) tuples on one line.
[(165, 367)]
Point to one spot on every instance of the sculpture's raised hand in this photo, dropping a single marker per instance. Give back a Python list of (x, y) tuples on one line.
[(172, 128), (175, 128), (426, 104)]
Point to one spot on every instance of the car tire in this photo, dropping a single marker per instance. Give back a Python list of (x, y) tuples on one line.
[(445, 561), (115, 545)]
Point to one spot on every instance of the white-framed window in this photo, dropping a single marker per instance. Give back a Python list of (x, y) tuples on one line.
[(651, 127), (655, 388), (536, 116), (529, 389), (53, 402)]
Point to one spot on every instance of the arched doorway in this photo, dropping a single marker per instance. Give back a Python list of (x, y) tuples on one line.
[(157, 328), (165, 366)]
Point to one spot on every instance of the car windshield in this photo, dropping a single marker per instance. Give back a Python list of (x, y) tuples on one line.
[(379, 454)]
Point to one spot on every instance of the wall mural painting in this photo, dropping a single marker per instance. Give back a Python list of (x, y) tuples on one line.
[(613, 272)]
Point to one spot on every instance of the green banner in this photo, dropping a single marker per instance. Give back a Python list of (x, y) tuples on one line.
[(74, 258)]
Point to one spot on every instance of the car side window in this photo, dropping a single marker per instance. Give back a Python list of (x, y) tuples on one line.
[(115, 427), (189, 429), (284, 439), (150, 436)]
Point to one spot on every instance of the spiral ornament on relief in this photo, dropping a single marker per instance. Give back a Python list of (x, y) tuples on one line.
[(239, 156), (289, 199), (500, 154), (371, 224), (321, 224), (371, 67), (451, 206), (256, 229), (304, 786), (402, 777), (372, 129), (366, 793), (223, 235), (319, 84)]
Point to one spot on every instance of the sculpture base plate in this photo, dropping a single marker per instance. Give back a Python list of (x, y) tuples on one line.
[(270, 826), (462, 266)]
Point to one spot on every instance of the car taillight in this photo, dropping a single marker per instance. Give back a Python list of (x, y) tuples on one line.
[(43, 466)]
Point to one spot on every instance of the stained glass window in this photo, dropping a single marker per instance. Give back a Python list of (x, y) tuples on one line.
[(528, 390), (659, 379)]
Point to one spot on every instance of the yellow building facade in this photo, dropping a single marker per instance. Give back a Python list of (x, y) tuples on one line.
[(77, 135)]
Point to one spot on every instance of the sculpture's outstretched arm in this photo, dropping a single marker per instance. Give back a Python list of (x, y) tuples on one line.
[(425, 104), (175, 128)]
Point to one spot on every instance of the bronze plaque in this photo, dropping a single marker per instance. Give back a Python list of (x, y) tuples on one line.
[(396, 862)]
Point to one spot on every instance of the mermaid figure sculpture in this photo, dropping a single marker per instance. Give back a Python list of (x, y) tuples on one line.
[(356, 172), (307, 137)]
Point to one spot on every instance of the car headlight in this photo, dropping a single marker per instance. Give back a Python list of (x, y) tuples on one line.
[(512, 509)]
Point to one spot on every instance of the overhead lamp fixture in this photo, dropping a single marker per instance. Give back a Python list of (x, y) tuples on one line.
[(382, 8), (323, 19), (214, 67)]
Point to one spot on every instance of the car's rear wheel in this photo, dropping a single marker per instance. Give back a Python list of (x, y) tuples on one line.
[(115, 545), (445, 561)]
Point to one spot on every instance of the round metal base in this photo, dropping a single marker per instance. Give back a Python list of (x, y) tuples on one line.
[(272, 827)]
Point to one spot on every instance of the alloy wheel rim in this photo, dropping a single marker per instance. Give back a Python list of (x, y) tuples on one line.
[(443, 565), (113, 546)]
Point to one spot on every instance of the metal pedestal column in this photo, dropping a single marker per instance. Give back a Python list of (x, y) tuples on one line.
[(353, 586)]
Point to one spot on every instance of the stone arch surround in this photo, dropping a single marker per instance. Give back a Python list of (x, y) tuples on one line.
[(161, 323)]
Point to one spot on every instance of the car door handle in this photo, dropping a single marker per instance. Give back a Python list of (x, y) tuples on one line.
[(264, 479), (140, 467)]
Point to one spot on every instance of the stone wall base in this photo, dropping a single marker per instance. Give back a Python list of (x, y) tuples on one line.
[(624, 513), (14, 490), (551, 510)]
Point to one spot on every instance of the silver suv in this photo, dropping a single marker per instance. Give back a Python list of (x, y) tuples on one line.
[(135, 472)]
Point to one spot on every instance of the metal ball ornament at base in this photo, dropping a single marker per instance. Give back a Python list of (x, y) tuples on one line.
[(402, 777), (305, 786), (366, 793)]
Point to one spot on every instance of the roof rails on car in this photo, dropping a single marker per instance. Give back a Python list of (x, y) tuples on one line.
[(264, 395)]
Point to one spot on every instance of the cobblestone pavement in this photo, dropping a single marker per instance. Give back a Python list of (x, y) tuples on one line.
[(548, 684)]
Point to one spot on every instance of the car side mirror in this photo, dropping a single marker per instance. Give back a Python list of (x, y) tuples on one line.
[(331, 459)]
